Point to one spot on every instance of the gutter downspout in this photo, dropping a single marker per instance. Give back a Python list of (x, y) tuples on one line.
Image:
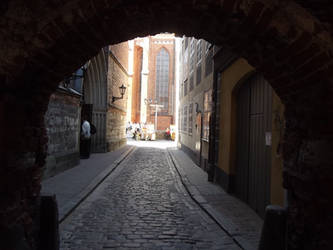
[(212, 132)]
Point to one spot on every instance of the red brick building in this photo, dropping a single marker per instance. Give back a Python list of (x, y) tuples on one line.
[(153, 80)]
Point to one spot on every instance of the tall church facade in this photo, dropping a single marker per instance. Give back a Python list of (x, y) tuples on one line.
[(153, 83)]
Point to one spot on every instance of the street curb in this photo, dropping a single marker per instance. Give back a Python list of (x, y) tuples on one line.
[(224, 223), (70, 206)]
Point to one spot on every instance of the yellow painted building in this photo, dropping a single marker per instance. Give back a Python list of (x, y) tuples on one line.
[(262, 160)]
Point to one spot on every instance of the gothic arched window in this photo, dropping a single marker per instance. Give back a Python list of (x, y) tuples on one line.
[(162, 79)]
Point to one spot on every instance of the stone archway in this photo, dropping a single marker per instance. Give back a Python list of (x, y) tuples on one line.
[(290, 44)]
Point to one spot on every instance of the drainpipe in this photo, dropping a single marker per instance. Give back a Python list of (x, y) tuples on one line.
[(198, 111), (212, 133), (201, 132)]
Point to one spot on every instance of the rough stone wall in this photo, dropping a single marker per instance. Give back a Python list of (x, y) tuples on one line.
[(116, 114), (290, 46), (62, 121), (119, 51), (22, 153), (116, 125)]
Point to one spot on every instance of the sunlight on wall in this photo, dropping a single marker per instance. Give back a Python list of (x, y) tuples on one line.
[(177, 68)]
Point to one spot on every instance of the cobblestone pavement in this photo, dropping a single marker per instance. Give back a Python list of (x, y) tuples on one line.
[(142, 205), (241, 222)]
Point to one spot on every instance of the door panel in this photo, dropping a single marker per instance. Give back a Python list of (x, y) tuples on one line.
[(98, 141), (242, 155), (253, 160)]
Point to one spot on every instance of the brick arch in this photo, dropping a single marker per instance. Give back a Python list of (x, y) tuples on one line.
[(42, 43)]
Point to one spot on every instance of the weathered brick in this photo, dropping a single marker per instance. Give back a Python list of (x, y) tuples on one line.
[(23, 67)]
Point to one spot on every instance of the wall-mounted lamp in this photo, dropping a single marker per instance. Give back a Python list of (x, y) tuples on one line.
[(122, 93)]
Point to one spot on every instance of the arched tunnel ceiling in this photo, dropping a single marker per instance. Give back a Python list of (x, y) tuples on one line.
[(321, 9), (46, 40), (288, 41)]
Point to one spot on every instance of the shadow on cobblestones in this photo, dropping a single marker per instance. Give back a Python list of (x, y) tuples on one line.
[(142, 205)]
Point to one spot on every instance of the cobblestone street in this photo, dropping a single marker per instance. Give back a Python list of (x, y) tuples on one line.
[(142, 205)]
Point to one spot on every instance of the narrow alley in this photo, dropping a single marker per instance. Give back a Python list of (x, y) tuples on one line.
[(144, 204), (244, 87)]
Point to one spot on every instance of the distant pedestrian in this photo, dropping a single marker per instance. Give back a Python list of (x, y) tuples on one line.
[(167, 134), (85, 139)]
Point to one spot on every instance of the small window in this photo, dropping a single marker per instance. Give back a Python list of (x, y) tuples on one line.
[(209, 62), (185, 118), (191, 85), (190, 119), (185, 88), (180, 119), (198, 74), (207, 114)]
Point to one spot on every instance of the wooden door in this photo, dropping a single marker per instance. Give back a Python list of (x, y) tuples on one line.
[(253, 157)]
